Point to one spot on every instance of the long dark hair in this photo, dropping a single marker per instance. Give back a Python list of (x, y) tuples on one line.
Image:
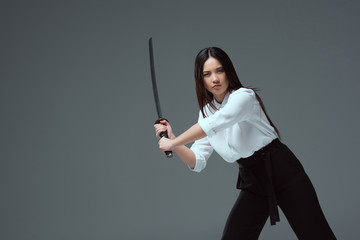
[(204, 96)]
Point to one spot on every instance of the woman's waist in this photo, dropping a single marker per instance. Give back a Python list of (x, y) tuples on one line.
[(232, 150), (258, 155)]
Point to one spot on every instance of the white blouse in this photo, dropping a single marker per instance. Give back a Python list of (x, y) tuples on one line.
[(236, 130)]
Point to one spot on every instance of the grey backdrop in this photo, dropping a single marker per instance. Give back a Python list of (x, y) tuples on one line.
[(79, 157)]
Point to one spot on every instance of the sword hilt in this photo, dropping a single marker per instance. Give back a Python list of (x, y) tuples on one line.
[(169, 154)]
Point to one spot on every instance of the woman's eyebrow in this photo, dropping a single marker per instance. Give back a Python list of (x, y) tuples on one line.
[(217, 68)]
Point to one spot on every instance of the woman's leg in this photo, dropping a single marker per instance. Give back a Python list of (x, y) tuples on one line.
[(247, 217), (301, 207)]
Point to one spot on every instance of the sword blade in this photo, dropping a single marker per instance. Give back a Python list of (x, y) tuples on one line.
[(153, 79)]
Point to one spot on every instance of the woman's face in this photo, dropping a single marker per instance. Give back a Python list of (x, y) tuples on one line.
[(215, 79)]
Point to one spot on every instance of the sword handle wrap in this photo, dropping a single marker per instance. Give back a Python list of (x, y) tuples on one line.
[(169, 154)]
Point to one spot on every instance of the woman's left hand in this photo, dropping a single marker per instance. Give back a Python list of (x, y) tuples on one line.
[(166, 144)]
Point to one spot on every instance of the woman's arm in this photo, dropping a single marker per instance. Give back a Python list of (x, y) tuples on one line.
[(177, 144), (186, 155), (192, 134), (239, 104)]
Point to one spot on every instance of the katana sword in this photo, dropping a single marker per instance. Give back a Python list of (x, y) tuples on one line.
[(169, 154)]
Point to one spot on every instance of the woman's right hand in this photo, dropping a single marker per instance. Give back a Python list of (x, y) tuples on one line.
[(162, 127)]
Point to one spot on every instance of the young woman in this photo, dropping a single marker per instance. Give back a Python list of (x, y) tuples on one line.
[(234, 123)]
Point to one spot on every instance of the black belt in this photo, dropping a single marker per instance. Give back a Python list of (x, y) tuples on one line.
[(247, 180)]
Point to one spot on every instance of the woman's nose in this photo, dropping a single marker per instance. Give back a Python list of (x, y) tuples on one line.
[(214, 78)]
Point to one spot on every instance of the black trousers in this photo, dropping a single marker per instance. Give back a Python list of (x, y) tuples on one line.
[(274, 176)]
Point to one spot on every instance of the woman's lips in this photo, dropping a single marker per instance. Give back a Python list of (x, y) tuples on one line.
[(216, 86)]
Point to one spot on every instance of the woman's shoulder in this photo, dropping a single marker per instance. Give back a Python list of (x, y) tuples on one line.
[(242, 92), (239, 95)]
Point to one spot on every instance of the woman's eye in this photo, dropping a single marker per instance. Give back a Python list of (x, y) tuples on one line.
[(220, 70), (206, 74)]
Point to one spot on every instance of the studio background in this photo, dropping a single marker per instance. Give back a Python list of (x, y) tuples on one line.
[(78, 153)]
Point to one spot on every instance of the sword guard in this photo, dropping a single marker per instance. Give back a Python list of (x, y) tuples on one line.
[(169, 154)]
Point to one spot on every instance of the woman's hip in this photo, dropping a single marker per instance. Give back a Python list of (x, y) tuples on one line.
[(275, 161)]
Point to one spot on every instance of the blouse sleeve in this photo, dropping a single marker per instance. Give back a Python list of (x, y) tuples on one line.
[(202, 150), (239, 104)]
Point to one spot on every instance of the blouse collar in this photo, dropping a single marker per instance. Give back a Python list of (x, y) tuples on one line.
[(220, 105)]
